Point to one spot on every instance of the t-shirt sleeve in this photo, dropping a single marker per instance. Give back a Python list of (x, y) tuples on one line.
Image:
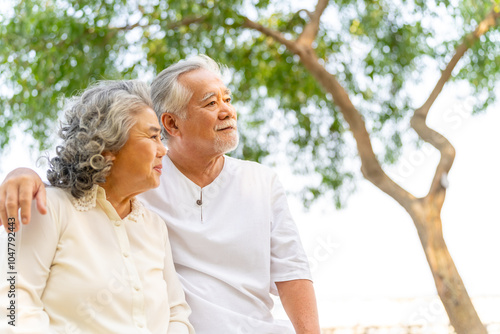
[(36, 245), (288, 259)]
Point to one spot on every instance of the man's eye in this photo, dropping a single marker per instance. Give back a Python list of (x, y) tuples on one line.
[(228, 100), (211, 103)]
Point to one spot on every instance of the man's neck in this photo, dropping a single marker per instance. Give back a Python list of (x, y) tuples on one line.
[(202, 170)]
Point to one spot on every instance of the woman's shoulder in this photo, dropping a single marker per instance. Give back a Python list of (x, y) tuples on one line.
[(63, 205), (57, 192), (151, 217), (57, 203), (57, 196)]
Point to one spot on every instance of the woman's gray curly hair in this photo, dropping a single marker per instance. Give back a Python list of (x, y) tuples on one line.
[(97, 121)]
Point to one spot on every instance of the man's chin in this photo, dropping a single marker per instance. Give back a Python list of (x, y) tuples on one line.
[(230, 149), (227, 146)]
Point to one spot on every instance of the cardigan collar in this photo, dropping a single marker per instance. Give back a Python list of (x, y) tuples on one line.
[(98, 195)]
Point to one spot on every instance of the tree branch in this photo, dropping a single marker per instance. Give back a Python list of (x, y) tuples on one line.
[(469, 40), (370, 166), (186, 21), (305, 11), (311, 29), (306, 37), (172, 25), (276, 35), (418, 121)]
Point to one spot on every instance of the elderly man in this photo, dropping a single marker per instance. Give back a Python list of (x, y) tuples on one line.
[(232, 236)]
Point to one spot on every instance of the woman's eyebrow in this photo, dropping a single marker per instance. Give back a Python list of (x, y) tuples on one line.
[(154, 129)]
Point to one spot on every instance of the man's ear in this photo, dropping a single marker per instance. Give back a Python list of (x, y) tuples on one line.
[(170, 123)]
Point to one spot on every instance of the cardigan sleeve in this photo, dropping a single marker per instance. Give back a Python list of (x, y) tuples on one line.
[(36, 244)]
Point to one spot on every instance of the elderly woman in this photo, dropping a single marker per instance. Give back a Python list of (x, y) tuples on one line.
[(99, 262)]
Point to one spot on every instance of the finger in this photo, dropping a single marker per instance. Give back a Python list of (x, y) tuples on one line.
[(25, 197), (12, 206), (12, 225), (41, 199), (3, 210)]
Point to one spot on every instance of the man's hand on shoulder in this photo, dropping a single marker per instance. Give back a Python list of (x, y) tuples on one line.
[(19, 188)]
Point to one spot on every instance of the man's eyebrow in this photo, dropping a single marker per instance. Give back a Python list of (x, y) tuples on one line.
[(207, 96), (210, 94)]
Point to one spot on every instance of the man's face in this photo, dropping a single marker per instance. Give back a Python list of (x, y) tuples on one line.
[(211, 118)]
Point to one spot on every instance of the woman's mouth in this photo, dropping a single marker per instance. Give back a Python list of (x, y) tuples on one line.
[(158, 168)]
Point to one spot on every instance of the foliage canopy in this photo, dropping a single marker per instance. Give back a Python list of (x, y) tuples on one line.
[(377, 49)]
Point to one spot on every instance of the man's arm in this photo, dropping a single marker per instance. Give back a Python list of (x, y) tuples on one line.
[(290, 266), (19, 188), (299, 302)]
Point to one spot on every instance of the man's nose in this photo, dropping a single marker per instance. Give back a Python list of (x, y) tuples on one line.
[(227, 111)]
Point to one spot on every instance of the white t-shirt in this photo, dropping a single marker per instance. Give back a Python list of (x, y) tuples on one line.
[(82, 269), (231, 241)]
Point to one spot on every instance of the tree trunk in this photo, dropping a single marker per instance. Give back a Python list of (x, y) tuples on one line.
[(425, 212), (451, 290)]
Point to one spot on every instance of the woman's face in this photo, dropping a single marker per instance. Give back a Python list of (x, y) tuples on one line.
[(137, 166)]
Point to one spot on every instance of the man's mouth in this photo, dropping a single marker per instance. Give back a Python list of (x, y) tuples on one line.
[(226, 126)]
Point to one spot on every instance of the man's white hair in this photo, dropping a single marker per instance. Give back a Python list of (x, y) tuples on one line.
[(169, 95)]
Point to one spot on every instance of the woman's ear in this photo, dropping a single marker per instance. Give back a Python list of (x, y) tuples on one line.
[(108, 156), (170, 123)]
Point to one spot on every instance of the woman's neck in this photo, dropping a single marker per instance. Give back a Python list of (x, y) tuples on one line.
[(121, 203)]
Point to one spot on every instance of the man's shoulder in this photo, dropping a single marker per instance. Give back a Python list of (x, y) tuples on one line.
[(248, 165)]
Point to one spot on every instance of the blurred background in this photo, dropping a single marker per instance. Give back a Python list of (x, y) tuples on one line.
[(369, 268)]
